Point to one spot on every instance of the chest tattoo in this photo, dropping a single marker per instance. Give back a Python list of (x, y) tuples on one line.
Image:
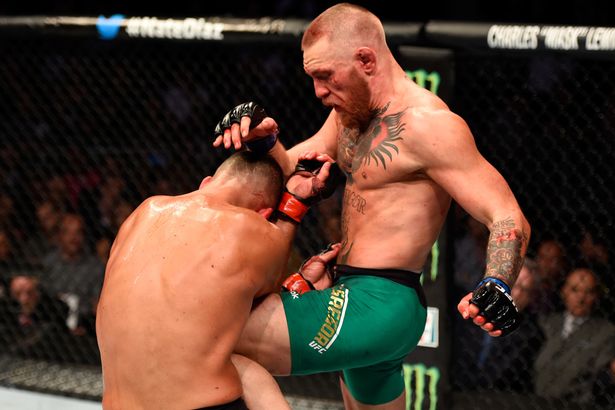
[(376, 144)]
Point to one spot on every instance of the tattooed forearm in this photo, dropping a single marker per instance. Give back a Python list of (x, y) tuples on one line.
[(505, 251)]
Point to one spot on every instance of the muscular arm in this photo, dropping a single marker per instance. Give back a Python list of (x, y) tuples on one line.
[(453, 161), (324, 141)]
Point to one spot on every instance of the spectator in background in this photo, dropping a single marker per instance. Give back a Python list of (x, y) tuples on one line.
[(54, 190), (98, 207), (74, 273), (44, 239), (578, 346), (551, 268), (593, 253), (32, 322)]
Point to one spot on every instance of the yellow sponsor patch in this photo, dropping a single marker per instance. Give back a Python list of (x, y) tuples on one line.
[(333, 322)]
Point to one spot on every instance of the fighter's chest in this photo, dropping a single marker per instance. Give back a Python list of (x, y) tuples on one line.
[(373, 156)]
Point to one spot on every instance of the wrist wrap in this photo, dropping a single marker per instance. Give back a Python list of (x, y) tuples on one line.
[(297, 283), (495, 280), (292, 207), (262, 146)]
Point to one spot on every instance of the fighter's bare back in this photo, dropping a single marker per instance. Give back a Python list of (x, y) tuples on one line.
[(176, 297)]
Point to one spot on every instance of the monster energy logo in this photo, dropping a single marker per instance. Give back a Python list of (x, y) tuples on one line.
[(430, 81), (419, 378)]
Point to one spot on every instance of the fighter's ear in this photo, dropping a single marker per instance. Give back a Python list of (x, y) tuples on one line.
[(367, 58), (205, 181), (265, 212)]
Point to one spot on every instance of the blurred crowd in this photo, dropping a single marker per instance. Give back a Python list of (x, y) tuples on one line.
[(564, 349), (55, 236)]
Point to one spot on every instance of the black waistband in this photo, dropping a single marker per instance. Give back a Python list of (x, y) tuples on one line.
[(403, 277), (238, 404)]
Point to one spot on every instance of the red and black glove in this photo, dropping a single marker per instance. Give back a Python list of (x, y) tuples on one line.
[(294, 206), (297, 283), (324, 262)]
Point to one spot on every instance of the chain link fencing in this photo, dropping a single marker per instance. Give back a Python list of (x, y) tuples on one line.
[(88, 129)]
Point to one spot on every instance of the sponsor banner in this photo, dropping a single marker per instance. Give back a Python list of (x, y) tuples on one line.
[(191, 28), (119, 26), (422, 386), (431, 68), (431, 334), (426, 368), (521, 37)]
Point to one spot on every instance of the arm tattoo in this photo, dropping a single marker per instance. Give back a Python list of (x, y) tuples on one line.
[(504, 251)]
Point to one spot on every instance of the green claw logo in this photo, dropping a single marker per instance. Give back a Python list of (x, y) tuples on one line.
[(421, 384), (430, 81)]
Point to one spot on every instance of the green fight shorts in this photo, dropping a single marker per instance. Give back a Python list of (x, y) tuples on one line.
[(365, 326)]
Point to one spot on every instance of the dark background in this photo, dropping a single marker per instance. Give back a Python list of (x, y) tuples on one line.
[(573, 12)]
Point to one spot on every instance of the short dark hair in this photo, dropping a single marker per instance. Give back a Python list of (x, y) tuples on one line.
[(263, 171)]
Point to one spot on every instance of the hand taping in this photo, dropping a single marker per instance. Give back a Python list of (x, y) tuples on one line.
[(492, 297)]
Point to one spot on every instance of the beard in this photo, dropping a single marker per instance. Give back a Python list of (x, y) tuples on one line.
[(358, 113)]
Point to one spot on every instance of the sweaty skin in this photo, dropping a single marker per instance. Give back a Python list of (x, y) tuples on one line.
[(176, 297)]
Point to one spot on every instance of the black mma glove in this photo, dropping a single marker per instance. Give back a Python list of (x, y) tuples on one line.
[(294, 206), (492, 297), (256, 114)]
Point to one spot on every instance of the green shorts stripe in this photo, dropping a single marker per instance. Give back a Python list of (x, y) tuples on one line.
[(341, 320)]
